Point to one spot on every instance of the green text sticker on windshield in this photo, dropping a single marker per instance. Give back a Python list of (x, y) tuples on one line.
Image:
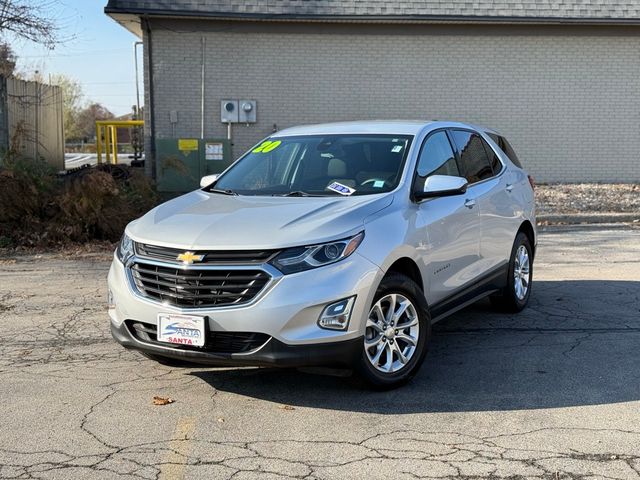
[(266, 147)]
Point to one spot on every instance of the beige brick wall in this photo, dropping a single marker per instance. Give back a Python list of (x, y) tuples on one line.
[(567, 97)]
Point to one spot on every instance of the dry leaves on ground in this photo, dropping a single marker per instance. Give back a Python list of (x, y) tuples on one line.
[(157, 400), (565, 198)]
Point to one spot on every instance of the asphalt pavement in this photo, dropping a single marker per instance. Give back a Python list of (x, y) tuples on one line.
[(552, 392)]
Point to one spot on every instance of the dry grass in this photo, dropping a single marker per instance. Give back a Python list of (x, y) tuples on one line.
[(555, 199), (40, 210)]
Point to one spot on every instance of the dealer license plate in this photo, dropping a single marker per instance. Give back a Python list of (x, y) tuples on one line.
[(181, 329)]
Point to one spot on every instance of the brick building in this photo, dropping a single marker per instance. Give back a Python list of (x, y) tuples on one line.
[(561, 79)]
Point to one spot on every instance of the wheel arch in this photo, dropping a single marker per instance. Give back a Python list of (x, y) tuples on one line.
[(527, 228), (408, 267)]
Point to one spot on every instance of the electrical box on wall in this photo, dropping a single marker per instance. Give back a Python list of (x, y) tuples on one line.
[(182, 162), (229, 111), (247, 111), (238, 111)]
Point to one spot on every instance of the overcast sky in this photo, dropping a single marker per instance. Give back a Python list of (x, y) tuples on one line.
[(99, 54)]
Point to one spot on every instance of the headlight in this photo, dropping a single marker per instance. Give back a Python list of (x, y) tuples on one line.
[(125, 249), (299, 259)]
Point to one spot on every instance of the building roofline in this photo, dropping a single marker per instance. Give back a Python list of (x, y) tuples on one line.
[(380, 19)]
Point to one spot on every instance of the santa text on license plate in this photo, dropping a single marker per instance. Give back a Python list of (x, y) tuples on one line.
[(181, 329)]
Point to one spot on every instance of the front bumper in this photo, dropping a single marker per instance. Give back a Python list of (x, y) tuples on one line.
[(272, 353), (287, 312)]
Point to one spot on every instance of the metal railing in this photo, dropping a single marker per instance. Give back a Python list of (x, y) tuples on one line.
[(107, 136)]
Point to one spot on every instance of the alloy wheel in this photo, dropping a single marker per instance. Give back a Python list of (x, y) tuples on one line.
[(521, 272), (391, 334)]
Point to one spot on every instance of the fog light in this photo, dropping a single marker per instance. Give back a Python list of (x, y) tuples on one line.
[(111, 303), (336, 316)]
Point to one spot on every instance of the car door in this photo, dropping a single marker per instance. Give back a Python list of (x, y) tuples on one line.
[(500, 212), (448, 227), (490, 189)]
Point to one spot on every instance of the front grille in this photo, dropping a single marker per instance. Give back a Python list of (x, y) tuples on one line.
[(193, 287), (235, 257), (216, 342)]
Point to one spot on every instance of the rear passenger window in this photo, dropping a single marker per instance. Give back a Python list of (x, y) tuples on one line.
[(506, 147), (437, 157), (496, 165), (473, 155)]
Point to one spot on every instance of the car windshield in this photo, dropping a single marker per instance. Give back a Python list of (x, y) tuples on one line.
[(318, 166)]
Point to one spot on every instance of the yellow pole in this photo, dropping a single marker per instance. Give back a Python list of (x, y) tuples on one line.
[(99, 143), (107, 141), (114, 139)]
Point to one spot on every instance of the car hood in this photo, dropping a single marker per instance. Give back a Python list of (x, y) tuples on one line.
[(209, 221)]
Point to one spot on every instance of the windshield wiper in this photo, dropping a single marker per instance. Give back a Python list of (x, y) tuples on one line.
[(222, 192), (296, 193)]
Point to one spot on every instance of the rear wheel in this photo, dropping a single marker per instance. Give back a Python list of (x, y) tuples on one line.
[(397, 331), (515, 296)]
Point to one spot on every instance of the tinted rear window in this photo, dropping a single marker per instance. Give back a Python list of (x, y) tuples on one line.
[(493, 158), (506, 147), (472, 155)]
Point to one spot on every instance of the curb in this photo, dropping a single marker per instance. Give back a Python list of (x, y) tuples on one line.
[(580, 218)]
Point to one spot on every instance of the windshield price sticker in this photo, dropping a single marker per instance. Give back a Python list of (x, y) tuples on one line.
[(266, 147), (341, 189)]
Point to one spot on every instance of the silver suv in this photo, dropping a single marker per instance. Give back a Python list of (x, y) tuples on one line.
[(337, 244)]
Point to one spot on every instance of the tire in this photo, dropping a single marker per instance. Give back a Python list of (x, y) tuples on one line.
[(513, 298), (167, 361), (379, 342)]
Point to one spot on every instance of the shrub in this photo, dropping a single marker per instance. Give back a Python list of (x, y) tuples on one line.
[(39, 208)]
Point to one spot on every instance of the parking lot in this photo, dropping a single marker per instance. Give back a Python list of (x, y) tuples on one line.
[(553, 392)]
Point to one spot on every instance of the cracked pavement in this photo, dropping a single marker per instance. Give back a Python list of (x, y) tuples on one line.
[(553, 392)]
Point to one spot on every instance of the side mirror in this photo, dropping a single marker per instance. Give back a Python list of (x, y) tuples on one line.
[(208, 180), (442, 186)]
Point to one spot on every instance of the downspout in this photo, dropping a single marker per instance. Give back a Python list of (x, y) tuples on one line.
[(150, 163), (137, 153), (203, 43), (135, 60)]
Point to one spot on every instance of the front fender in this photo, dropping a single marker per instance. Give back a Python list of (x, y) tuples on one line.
[(390, 236)]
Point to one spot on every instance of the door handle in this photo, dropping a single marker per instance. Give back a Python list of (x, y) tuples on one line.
[(509, 187), (469, 203)]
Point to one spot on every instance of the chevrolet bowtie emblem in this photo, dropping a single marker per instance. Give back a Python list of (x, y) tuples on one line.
[(188, 258)]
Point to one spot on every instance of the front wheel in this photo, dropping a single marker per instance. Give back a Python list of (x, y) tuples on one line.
[(515, 296), (397, 331)]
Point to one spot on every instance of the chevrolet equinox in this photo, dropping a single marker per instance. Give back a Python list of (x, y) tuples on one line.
[(329, 245)]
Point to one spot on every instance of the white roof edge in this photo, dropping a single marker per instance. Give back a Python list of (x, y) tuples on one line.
[(399, 127), (406, 127)]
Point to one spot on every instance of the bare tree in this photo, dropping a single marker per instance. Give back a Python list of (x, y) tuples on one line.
[(30, 20), (86, 119)]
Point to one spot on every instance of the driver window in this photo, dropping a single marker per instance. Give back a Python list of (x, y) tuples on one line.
[(437, 157)]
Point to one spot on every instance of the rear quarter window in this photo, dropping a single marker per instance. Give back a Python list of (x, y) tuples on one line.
[(506, 147), (493, 158)]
